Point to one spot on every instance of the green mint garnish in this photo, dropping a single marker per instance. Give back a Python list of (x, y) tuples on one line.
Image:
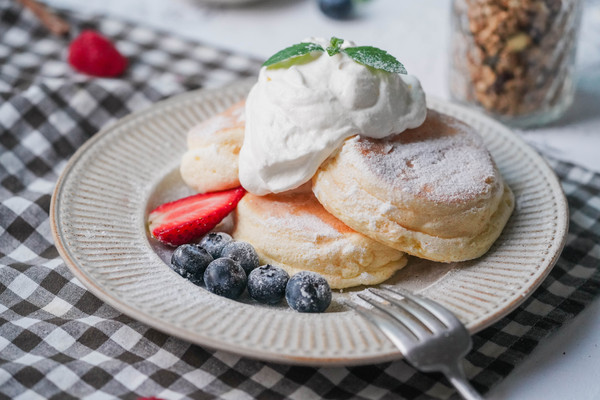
[(375, 58), (294, 51), (335, 45), (368, 56)]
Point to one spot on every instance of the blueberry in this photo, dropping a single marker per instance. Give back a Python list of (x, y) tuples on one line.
[(190, 261), (243, 253), (225, 277), (308, 292), (214, 243), (266, 284), (336, 9)]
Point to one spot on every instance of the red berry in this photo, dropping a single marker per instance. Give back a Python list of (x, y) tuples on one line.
[(184, 220), (93, 54)]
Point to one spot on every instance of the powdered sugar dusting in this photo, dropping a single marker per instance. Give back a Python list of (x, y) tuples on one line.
[(299, 212), (232, 117), (210, 126), (239, 114), (442, 160), (305, 224)]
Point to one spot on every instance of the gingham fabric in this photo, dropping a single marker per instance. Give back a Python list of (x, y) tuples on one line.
[(59, 341)]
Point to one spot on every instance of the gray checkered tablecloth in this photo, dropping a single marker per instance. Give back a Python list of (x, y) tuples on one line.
[(59, 341)]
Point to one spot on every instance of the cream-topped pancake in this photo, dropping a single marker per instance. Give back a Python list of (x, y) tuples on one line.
[(432, 191), (211, 162), (299, 116), (292, 230)]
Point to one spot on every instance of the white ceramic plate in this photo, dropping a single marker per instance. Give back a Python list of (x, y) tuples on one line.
[(102, 199)]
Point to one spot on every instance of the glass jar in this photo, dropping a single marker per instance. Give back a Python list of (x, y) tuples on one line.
[(514, 59)]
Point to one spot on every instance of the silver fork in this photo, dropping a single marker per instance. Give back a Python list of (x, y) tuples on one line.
[(429, 336)]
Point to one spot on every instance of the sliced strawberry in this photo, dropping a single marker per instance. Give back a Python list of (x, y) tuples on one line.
[(184, 220)]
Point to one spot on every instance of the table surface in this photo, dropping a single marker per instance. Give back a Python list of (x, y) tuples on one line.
[(565, 365)]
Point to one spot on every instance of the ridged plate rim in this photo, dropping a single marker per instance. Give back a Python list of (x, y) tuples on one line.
[(305, 351)]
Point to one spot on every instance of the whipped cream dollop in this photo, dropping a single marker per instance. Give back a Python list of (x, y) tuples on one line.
[(297, 117)]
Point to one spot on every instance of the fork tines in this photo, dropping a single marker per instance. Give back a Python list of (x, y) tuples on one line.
[(430, 337), (435, 309), (416, 317)]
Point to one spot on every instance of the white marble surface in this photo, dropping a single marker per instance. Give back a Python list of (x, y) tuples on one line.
[(565, 366)]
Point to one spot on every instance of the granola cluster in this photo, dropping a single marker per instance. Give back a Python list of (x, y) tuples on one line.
[(513, 57)]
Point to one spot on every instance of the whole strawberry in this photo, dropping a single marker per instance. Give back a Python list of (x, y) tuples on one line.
[(93, 54)]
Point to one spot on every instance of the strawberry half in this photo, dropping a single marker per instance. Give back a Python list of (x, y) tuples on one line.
[(184, 220)]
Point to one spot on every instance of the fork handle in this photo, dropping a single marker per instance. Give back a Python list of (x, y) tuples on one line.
[(456, 376)]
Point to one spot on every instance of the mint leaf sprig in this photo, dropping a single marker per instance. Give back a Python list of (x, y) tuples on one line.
[(294, 51), (335, 46), (375, 58), (366, 55)]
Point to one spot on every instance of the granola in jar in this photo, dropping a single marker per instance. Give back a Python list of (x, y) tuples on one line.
[(514, 58)]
